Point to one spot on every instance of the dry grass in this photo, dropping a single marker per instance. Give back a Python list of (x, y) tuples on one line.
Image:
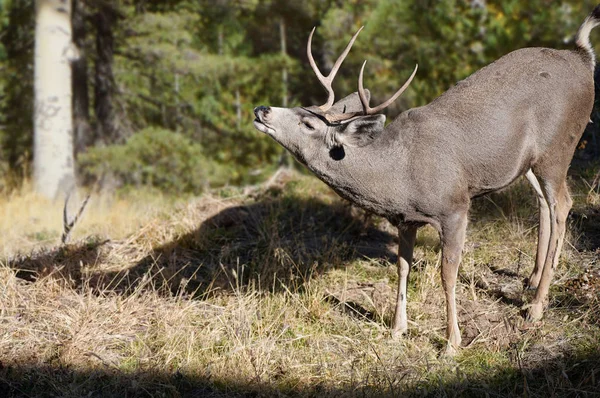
[(288, 293), (29, 222)]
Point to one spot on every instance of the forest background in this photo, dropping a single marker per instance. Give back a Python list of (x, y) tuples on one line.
[(163, 91), (186, 275)]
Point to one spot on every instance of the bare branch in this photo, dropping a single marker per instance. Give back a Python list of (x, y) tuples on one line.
[(68, 225)]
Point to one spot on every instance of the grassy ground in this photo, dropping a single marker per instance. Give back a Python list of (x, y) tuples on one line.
[(286, 291)]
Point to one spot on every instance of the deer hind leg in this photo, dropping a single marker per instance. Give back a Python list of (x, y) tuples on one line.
[(453, 238), (543, 233), (559, 204), (562, 212), (407, 235)]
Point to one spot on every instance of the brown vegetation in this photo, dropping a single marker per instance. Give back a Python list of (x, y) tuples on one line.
[(288, 292)]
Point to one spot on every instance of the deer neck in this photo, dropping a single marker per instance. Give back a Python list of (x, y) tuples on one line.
[(370, 176)]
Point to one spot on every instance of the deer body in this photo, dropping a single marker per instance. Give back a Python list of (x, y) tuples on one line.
[(469, 141), (521, 115)]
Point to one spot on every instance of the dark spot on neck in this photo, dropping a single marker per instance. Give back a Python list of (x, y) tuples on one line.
[(545, 74), (337, 153)]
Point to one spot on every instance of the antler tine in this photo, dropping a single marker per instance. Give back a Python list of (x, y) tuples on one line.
[(363, 97), (327, 81)]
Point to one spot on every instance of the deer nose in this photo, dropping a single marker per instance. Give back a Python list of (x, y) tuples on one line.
[(261, 111)]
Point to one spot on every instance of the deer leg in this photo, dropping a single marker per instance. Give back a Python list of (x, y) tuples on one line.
[(407, 235), (453, 238), (559, 205), (543, 233), (562, 212)]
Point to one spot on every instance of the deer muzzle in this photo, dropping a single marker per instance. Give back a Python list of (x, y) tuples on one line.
[(262, 114)]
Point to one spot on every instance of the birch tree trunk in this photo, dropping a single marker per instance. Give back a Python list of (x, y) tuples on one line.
[(54, 170)]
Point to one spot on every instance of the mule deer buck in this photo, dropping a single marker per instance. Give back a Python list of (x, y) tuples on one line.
[(521, 115)]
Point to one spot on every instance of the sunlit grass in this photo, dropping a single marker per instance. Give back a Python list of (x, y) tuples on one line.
[(29, 221), (267, 293)]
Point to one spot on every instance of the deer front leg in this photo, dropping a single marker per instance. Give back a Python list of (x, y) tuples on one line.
[(453, 238), (407, 235)]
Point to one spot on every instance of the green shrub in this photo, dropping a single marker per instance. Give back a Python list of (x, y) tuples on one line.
[(154, 157)]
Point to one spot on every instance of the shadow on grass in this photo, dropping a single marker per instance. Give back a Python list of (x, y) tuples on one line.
[(586, 223), (63, 262), (573, 375), (517, 202), (278, 242), (275, 243)]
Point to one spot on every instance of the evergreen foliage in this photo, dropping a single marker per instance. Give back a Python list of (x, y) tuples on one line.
[(198, 68), (154, 157)]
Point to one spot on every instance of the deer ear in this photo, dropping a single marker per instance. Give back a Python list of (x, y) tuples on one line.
[(361, 131)]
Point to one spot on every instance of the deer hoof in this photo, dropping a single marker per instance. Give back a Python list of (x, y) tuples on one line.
[(453, 345), (398, 331), (532, 283), (535, 311), (451, 350)]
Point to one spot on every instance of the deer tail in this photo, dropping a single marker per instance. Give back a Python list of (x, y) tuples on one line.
[(582, 39)]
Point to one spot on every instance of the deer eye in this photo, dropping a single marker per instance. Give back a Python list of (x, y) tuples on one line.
[(308, 125)]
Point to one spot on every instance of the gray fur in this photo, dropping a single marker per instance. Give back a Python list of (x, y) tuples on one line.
[(524, 112)]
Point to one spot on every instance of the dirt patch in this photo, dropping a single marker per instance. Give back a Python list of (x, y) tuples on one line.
[(370, 300), (487, 321)]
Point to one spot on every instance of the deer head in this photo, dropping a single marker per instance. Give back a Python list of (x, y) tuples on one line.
[(315, 133)]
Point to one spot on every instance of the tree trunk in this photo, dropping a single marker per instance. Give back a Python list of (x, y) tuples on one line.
[(285, 159), (220, 39), (284, 72), (238, 110), (17, 109), (84, 135), (108, 129), (54, 169)]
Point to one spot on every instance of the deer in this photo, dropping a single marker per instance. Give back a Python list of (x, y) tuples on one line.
[(522, 115)]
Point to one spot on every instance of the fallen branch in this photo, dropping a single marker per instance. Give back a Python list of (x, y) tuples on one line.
[(68, 225)]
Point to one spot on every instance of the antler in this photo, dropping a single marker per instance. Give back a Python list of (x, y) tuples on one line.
[(326, 81), (365, 101)]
